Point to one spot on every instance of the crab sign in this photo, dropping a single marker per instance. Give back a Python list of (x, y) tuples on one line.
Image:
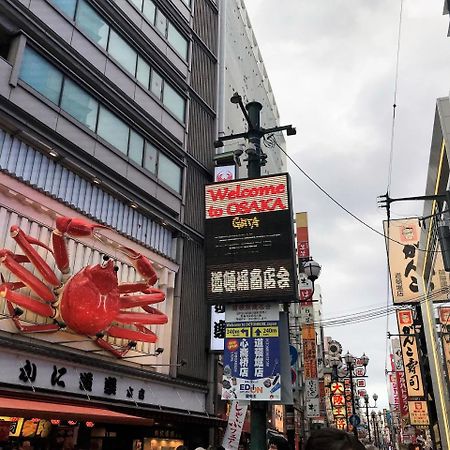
[(91, 302)]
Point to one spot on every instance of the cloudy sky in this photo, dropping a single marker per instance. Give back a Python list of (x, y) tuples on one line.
[(332, 68)]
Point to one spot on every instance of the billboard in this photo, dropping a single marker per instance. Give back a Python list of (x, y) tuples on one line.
[(251, 360), (249, 241)]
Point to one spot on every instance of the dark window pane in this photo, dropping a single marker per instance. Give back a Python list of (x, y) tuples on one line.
[(79, 104), (156, 84), (92, 23), (150, 156), (174, 102), (136, 147), (178, 41), (113, 130), (149, 11), (169, 173), (119, 49), (41, 75), (66, 6)]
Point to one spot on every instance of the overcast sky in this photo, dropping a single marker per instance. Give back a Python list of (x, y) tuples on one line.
[(331, 64)]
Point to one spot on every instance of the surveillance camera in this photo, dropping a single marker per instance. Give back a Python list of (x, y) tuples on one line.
[(159, 350), (251, 148), (291, 131)]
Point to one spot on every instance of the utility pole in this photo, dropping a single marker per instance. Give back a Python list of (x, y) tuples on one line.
[(255, 159)]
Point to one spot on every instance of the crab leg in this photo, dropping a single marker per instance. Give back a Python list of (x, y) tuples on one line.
[(156, 317), (37, 286), (74, 227), (132, 301), (144, 335), (109, 348), (26, 302), (142, 264), (24, 241)]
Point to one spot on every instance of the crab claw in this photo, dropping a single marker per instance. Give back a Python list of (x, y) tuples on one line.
[(76, 227), (142, 264)]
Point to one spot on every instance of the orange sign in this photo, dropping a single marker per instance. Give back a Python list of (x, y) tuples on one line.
[(418, 412)]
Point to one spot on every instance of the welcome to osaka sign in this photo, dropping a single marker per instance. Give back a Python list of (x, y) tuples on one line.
[(249, 241)]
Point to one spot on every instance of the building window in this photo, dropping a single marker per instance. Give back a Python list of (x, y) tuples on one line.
[(79, 104), (156, 17), (100, 32), (42, 76), (122, 52), (178, 42), (66, 6), (113, 130), (92, 23), (174, 102), (169, 173)]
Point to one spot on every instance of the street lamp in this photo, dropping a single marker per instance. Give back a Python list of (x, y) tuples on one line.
[(312, 270), (366, 401)]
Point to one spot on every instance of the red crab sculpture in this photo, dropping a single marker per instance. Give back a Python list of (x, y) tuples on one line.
[(92, 302)]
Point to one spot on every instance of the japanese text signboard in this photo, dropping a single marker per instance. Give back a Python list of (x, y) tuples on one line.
[(411, 362), (418, 413), (444, 318), (236, 420), (249, 241), (251, 361), (403, 258)]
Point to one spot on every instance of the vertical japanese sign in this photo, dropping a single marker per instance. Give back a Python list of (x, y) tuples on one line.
[(236, 420), (411, 362), (252, 353), (301, 221), (250, 241), (402, 254), (337, 393), (401, 380), (217, 328), (444, 319), (310, 372)]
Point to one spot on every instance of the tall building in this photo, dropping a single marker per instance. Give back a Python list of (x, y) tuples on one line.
[(107, 115), (242, 70)]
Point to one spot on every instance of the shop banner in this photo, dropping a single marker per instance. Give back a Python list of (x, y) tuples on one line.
[(411, 362), (251, 361), (224, 173), (397, 363), (236, 420), (418, 413), (444, 318), (309, 351), (301, 221), (217, 328), (249, 238), (403, 258)]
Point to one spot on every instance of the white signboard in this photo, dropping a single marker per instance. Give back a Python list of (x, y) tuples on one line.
[(217, 328), (224, 173), (312, 408), (252, 312), (36, 372), (235, 424), (312, 388)]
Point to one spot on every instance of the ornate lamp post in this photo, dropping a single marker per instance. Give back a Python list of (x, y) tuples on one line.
[(312, 270), (366, 401)]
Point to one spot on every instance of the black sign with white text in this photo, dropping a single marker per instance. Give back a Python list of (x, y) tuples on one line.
[(249, 241)]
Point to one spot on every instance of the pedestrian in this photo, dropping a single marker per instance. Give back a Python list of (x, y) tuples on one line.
[(276, 443), (332, 439)]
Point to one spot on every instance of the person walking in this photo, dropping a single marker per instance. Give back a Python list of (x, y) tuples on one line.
[(332, 439)]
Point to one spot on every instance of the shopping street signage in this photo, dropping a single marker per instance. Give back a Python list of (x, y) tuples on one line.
[(251, 361), (250, 241), (418, 413), (411, 362)]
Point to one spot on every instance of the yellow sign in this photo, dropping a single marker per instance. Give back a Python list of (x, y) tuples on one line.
[(418, 412), (265, 332), (238, 332)]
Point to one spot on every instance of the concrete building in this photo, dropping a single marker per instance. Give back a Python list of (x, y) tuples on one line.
[(107, 114)]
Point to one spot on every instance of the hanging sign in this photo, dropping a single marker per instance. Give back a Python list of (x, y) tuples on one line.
[(236, 420), (403, 258), (411, 362), (251, 361), (418, 413), (249, 241)]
